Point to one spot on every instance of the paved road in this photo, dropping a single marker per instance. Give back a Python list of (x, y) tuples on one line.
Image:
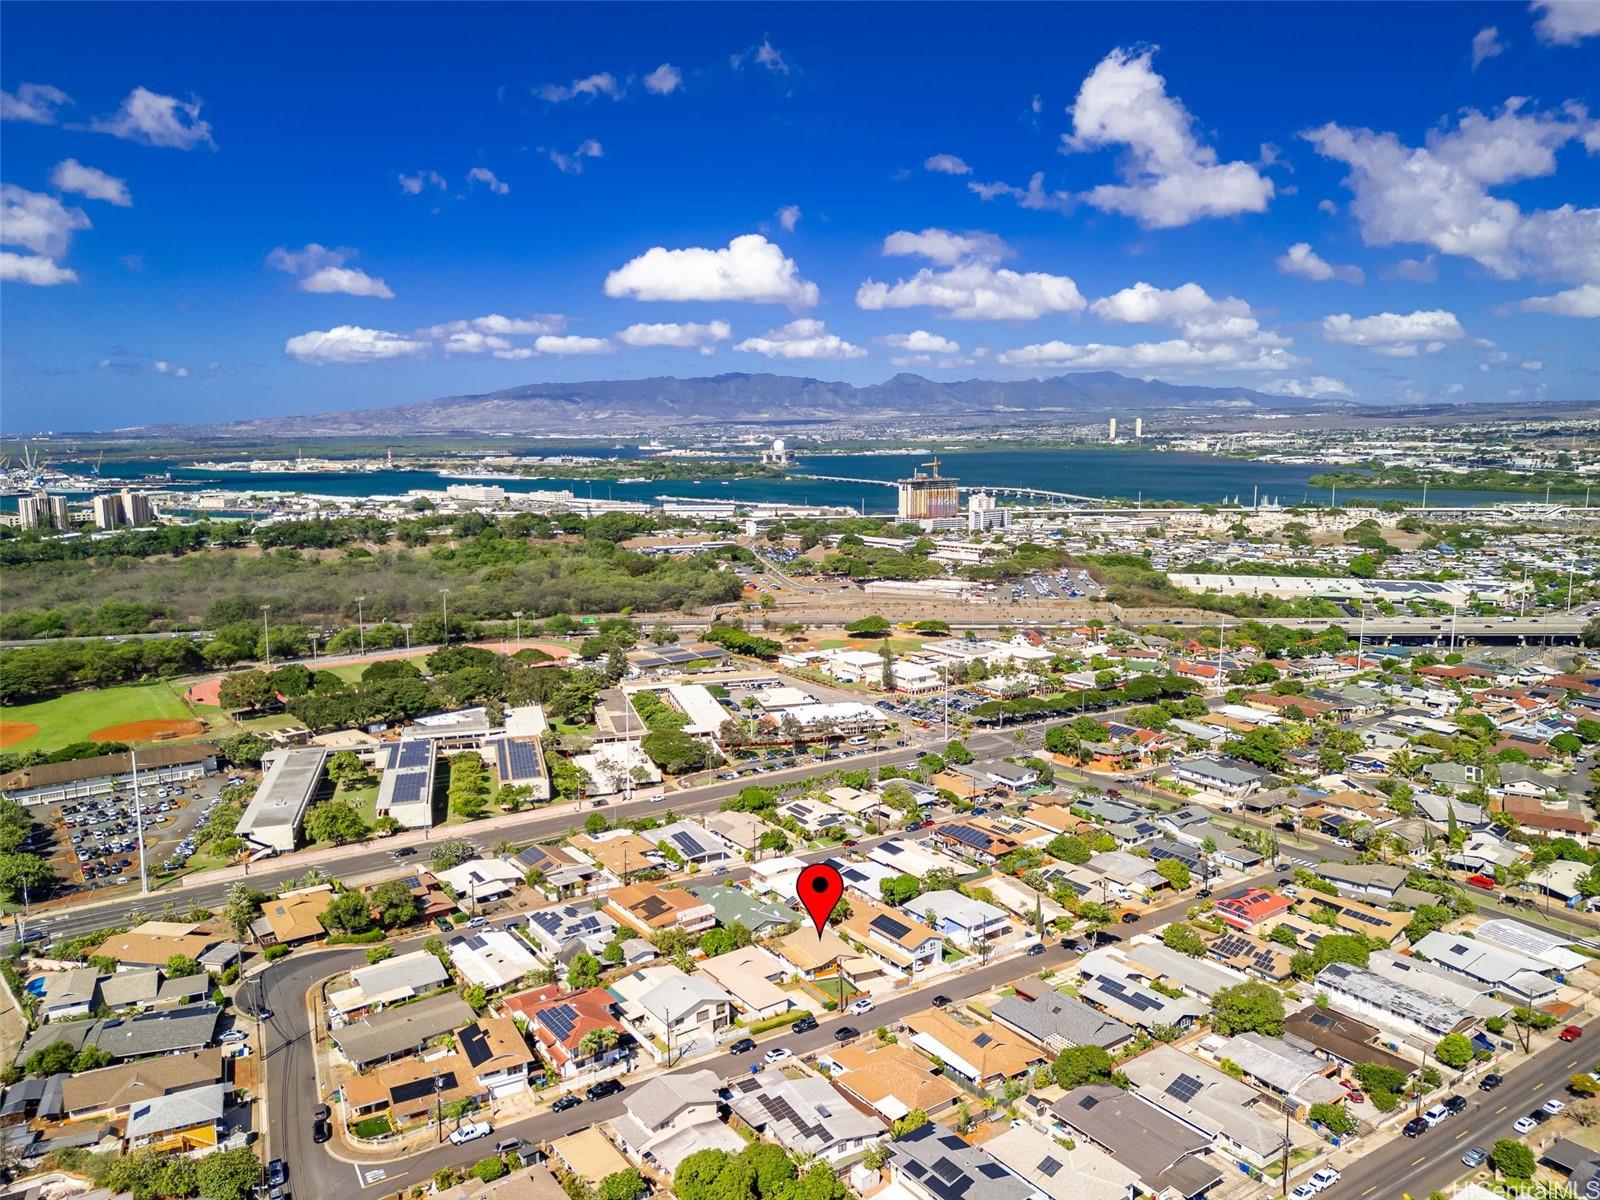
[(314, 1172), (1418, 1166)]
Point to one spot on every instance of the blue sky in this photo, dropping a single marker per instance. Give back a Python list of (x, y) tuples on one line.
[(223, 211)]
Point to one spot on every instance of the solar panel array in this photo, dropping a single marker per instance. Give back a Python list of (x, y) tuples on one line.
[(518, 758), (408, 788), (560, 1020), (888, 925), (1235, 946), (690, 847), (968, 836), (1049, 1167), (1184, 1088), (1118, 990), (417, 752)]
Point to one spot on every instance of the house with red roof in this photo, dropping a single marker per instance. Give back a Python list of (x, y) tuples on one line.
[(1248, 908), (559, 1021)]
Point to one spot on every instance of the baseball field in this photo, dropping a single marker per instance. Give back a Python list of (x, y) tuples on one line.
[(137, 713)]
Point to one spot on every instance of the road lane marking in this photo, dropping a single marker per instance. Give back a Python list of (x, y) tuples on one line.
[(1370, 1190), (1572, 1064), (1461, 1135), (1501, 1109), (1423, 1159), (1538, 1085)]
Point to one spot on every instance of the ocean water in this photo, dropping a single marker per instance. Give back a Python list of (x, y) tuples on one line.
[(1109, 473)]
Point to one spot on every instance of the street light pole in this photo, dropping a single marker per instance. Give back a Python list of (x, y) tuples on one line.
[(444, 599), (266, 633), (138, 819), (361, 624)]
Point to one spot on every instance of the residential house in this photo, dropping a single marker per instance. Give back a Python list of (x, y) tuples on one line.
[(1396, 1005), (1453, 777), (1376, 882), (560, 934), (815, 817), (902, 944), (1117, 989), (1507, 972), (154, 942), (739, 832), (889, 1078), (934, 1164), (1249, 907), (413, 1089), (1084, 1172), (293, 918), (691, 843), (498, 1055), (1209, 1102), (1054, 1020), (491, 958), (110, 1091), (671, 1117), (650, 908), (1218, 778), (1128, 874), (1174, 969), (179, 1122), (168, 1031), (803, 1115), (1251, 956), (965, 921), (1167, 1155), (620, 851), (1451, 987), (69, 994), (1355, 917), (533, 1182), (383, 1036), (731, 904), (1295, 1078), (751, 976), (1486, 853), (812, 956), (481, 880), (679, 1011), (972, 843), (404, 977), (560, 1021), (559, 872), (1546, 946), (1339, 1038), (982, 1054)]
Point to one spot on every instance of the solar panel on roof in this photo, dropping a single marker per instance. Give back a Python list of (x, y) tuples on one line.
[(1049, 1167), (890, 926), (947, 1170), (407, 789), (1184, 1088), (983, 1039), (415, 753)]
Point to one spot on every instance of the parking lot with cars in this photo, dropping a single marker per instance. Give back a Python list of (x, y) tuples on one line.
[(94, 841)]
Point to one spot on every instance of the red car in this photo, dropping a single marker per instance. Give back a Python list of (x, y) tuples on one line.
[(1570, 1033), (1481, 881)]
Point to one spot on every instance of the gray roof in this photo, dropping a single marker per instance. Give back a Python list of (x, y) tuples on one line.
[(1222, 772), (1162, 1151), (947, 1168), (395, 1030), (162, 1032), (1193, 974), (187, 988), (1282, 1067), (656, 1101), (69, 988), (419, 971), (180, 1110), (1405, 1003), (1056, 1015), (677, 996), (1203, 1097), (803, 1114)]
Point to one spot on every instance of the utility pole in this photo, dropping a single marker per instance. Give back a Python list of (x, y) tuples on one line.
[(444, 599), (138, 820), (266, 633), (361, 624), (1285, 1173)]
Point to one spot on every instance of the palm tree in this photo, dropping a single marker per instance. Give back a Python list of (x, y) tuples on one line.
[(597, 1042)]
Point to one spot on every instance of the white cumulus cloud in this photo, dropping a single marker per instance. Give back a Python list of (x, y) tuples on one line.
[(157, 120), (413, 185), (806, 338), (1199, 316), (1169, 177), (1034, 196), (1311, 388), (946, 248), (789, 216), (571, 344), (35, 269), (1486, 44), (920, 341), (347, 281), (1566, 22), (749, 268), (313, 256), (1581, 301), (1398, 335), (664, 80), (686, 336), (976, 291), (35, 103), (1176, 354), (1438, 194), (1300, 259), (572, 164), (603, 83), (347, 344), (487, 177), (71, 175), (495, 323), (38, 222), (946, 164)]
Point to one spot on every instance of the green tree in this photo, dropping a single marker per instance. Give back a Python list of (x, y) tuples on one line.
[(1077, 1065), (336, 821), (1511, 1158), (899, 889), (1454, 1051), (91, 1058), (241, 907), (51, 1060), (626, 1184), (910, 1123), (958, 753), (1183, 938), (347, 912), (1070, 848), (452, 854), (1174, 872), (583, 971), (488, 1169), (1247, 1008), (1334, 1118), (227, 1174), (181, 966), (393, 904)]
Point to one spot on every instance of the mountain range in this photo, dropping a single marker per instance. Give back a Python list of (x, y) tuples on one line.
[(621, 405)]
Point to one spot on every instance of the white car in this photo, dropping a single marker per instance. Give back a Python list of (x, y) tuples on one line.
[(471, 1132), (1525, 1125), (1304, 1192), (1553, 1106), (1435, 1114), (862, 1006), (234, 1035), (777, 1054), (1324, 1179)]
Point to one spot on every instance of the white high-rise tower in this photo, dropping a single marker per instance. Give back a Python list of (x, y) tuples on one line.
[(1111, 430), (1138, 428)]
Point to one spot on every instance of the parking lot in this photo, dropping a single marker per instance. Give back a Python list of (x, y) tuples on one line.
[(1068, 585), (94, 841)]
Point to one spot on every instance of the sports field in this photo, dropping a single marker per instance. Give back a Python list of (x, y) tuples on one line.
[(80, 716)]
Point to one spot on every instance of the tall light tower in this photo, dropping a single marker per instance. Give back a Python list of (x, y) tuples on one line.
[(266, 633), (361, 624), (444, 599)]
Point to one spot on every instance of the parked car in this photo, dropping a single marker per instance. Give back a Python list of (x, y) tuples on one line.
[(806, 1024), (1435, 1114), (1303, 1191), (1456, 1104), (778, 1054), (1416, 1127), (1481, 881), (405, 852), (277, 1172), (862, 1006), (845, 1032), (1036, 949), (1475, 1157), (321, 1113), (1324, 1179), (478, 922), (233, 1035), (1525, 1125), (1570, 1033), (939, 1001), (471, 1132), (606, 1087), (443, 925), (1554, 1106), (506, 1145), (743, 1046), (563, 1103), (1490, 1081), (321, 1131)]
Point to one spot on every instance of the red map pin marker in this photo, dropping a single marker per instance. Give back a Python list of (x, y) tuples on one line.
[(820, 888)]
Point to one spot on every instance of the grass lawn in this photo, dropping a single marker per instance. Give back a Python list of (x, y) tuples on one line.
[(74, 716), (349, 672), (372, 1127), (365, 800)]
